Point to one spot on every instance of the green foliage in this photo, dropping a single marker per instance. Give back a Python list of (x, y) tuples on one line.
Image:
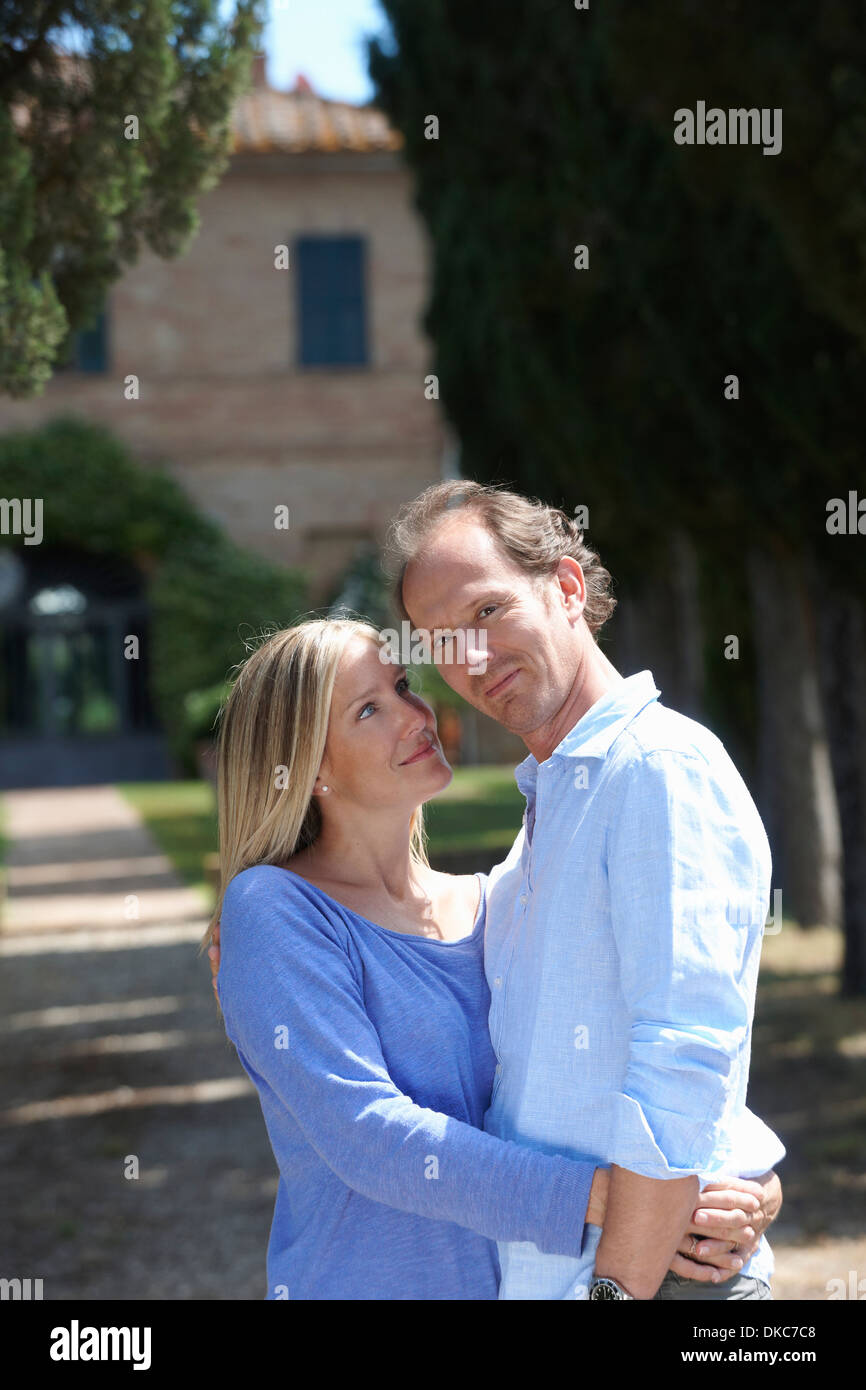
[(79, 200), (810, 61), (32, 320), (605, 386), (94, 494), (202, 707), (207, 595), (363, 589), (209, 599)]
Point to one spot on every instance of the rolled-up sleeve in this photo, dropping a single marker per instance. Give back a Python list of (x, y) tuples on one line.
[(689, 890)]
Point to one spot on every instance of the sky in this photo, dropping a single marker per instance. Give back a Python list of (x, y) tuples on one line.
[(323, 40)]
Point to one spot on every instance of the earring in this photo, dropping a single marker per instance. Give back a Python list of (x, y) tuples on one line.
[(324, 788)]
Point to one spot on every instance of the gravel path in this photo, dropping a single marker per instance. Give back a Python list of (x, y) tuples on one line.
[(113, 1052)]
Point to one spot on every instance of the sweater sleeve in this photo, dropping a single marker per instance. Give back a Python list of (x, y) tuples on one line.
[(294, 1008)]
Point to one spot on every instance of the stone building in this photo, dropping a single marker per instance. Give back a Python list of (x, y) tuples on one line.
[(281, 361), (259, 386)]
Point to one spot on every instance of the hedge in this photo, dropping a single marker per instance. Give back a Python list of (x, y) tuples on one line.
[(207, 595)]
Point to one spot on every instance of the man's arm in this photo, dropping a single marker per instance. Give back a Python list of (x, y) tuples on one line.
[(734, 1212), (642, 1228), (686, 893)]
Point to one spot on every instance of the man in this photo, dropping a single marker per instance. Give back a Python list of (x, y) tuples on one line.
[(625, 926)]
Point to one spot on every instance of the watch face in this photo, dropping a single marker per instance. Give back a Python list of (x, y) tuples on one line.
[(605, 1289)]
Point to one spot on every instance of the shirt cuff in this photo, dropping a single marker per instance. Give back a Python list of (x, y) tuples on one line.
[(643, 1136), (751, 1150)]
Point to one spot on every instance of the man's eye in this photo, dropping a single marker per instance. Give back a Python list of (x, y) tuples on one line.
[(487, 607)]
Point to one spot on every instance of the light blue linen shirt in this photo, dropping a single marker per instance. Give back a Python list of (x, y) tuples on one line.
[(622, 947)]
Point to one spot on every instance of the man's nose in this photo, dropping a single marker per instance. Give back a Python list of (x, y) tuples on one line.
[(477, 653)]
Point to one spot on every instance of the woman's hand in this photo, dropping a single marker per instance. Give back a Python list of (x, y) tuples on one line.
[(214, 957), (727, 1225)]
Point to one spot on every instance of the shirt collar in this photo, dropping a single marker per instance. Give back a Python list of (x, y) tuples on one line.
[(594, 733)]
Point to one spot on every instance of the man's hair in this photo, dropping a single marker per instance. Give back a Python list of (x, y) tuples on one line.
[(529, 533)]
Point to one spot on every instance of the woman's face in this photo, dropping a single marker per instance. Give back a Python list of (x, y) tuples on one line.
[(376, 729)]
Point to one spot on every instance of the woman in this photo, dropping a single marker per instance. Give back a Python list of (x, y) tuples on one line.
[(352, 986)]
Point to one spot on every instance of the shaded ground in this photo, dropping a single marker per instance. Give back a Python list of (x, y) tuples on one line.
[(808, 1075), (112, 1048)]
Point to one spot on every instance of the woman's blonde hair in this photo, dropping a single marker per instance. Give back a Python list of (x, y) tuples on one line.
[(272, 734)]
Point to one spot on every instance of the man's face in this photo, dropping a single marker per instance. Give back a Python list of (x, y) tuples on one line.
[(533, 627)]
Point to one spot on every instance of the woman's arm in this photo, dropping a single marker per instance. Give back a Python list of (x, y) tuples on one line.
[(294, 1008), (736, 1211)]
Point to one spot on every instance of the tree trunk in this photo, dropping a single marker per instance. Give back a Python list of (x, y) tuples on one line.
[(842, 625), (796, 794), (688, 628), (659, 629)]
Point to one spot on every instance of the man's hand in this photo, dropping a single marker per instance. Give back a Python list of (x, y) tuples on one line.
[(214, 957), (727, 1225)]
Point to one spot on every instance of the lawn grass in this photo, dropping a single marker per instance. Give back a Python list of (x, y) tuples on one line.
[(481, 809), (182, 818)]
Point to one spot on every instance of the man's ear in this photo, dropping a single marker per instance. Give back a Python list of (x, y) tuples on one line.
[(572, 583)]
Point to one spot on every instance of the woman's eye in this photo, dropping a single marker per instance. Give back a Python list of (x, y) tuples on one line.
[(403, 681)]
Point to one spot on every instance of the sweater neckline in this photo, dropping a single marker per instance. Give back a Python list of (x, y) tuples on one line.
[(389, 931)]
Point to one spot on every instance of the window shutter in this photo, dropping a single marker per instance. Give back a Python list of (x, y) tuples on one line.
[(332, 308)]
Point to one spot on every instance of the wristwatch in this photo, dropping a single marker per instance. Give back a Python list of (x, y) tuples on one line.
[(607, 1288)]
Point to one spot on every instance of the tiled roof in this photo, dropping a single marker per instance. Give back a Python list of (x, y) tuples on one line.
[(300, 121), (265, 119)]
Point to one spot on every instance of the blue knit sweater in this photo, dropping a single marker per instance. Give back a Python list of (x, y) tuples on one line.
[(371, 1056)]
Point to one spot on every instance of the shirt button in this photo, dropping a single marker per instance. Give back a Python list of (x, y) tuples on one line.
[(499, 1066), (498, 981), (524, 899)]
